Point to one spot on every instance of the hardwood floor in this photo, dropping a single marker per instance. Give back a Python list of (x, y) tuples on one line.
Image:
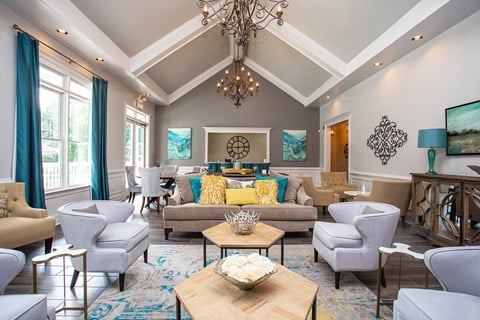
[(51, 280)]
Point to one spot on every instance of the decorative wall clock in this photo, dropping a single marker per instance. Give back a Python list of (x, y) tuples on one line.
[(238, 147), (386, 139)]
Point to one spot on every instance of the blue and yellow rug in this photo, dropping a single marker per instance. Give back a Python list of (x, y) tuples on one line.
[(149, 287)]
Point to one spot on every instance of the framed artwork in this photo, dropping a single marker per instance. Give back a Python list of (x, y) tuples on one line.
[(179, 143), (294, 145)]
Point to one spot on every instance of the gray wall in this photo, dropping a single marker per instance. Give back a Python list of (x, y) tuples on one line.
[(270, 108)]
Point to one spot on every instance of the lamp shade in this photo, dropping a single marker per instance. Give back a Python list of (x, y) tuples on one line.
[(432, 138)]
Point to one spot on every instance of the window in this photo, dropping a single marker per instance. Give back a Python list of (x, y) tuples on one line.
[(135, 137), (65, 102)]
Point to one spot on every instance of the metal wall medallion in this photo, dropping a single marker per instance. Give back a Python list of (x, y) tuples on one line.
[(238, 147), (386, 139)]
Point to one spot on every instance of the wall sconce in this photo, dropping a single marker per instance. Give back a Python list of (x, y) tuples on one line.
[(140, 100)]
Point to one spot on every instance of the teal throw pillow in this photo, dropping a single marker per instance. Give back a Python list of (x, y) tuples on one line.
[(196, 188), (282, 185)]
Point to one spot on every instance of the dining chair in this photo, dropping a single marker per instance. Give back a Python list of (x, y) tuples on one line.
[(151, 188), (133, 186)]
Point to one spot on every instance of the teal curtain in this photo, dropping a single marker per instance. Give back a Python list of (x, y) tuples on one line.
[(99, 140), (28, 148)]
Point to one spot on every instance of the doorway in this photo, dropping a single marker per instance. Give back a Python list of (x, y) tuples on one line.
[(339, 146)]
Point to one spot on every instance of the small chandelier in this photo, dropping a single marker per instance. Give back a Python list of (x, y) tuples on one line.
[(242, 17), (238, 85)]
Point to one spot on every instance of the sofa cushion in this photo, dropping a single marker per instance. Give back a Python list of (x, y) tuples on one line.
[(213, 190), (24, 306), (282, 185), (337, 235), (194, 211), (421, 304), (3, 205), (123, 235), (283, 211), (267, 191), (18, 231), (182, 183), (196, 184), (241, 196)]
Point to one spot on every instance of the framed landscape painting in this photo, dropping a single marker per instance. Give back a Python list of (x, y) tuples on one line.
[(294, 145), (179, 143)]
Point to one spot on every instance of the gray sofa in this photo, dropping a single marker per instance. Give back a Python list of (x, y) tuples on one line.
[(295, 214)]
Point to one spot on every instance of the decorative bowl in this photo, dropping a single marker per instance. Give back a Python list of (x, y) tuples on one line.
[(242, 285), (242, 222)]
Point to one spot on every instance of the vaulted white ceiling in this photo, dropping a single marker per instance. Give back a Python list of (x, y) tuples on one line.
[(324, 48)]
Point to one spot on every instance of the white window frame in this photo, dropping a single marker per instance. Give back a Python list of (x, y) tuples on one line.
[(137, 118), (70, 73)]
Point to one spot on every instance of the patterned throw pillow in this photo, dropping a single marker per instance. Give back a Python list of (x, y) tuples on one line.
[(240, 184), (282, 185), (3, 205), (267, 191), (213, 190)]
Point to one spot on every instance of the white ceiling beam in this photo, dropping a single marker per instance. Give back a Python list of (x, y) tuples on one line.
[(90, 33), (167, 45), (309, 48), (327, 85), (275, 80), (412, 18), (153, 88), (198, 80)]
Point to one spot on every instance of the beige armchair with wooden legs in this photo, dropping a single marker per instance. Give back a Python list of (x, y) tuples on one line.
[(394, 192), (336, 181), (321, 198)]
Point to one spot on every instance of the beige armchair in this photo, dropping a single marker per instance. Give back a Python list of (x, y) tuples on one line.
[(21, 224), (336, 181), (321, 198), (394, 192)]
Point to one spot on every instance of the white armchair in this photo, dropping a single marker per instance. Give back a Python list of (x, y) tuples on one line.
[(112, 244), (20, 306), (351, 244), (456, 268)]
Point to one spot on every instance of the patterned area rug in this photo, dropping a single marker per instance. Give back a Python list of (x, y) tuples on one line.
[(149, 287)]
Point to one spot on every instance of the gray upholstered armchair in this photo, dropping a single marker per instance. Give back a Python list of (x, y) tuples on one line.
[(351, 243), (19, 306), (456, 268), (112, 244)]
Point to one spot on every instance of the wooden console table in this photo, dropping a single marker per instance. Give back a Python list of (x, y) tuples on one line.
[(442, 206)]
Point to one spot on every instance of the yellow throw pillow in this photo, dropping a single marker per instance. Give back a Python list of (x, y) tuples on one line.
[(267, 191), (213, 190), (241, 196)]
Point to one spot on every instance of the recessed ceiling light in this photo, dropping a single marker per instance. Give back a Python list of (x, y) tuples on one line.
[(417, 37), (99, 59), (62, 31), (327, 97), (377, 64)]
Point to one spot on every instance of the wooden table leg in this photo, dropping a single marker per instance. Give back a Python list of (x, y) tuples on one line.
[(314, 309)]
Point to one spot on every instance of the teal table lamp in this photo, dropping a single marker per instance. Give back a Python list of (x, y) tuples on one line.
[(432, 138)]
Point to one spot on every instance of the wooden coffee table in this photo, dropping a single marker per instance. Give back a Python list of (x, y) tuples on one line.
[(262, 237), (285, 295)]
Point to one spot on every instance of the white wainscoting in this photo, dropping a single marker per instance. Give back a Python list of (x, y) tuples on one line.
[(54, 200), (358, 177), (116, 181)]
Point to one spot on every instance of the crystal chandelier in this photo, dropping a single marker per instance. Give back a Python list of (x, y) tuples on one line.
[(239, 84), (240, 18)]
